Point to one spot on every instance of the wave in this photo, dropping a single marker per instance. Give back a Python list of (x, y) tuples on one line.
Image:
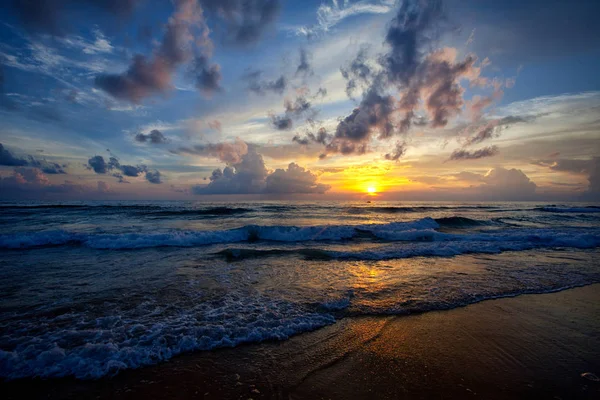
[(461, 222), (78, 345), (473, 244), (216, 211), (249, 233), (429, 243), (423, 230), (580, 210), (89, 348)]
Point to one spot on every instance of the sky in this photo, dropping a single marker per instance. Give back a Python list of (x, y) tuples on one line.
[(466, 100)]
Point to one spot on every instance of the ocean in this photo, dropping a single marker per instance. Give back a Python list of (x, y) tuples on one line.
[(89, 289)]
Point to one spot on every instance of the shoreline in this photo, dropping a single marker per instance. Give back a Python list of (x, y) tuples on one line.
[(521, 346)]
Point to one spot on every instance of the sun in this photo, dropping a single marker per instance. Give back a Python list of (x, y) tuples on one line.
[(371, 190)]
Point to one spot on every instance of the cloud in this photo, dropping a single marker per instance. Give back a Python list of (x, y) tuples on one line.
[(329, 16), (498, 184), (358, 72), (281, 123), (296, 109), (8, 159), (587, 167), (245, 20), (100, 166), (153, 177), (425, 79), (508, 183), (261, 87), (294, 179), (132, 170), (484, 133), (216, 125), (250, 176), (398, 152), (155, 137), (321, 137), (207, 77), (462, 154), (185, 31), (304, 68), (244, 177), (375, 114), (230, 153)]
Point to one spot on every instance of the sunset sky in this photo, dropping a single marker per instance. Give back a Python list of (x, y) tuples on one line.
[(267, 99)]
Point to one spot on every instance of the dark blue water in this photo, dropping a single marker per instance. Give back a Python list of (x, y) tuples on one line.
[(92, 288)]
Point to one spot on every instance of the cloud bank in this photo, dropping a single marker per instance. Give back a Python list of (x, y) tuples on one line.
[(250, 176)]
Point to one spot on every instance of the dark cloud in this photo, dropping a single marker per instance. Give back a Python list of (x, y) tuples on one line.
[(304, 68), (478, 132), (155, 137), (321, 137), (411, 31), (55, 16), (398, 152), (245, 20), (322, 92), (9, 159), (207, 77), (153, 177), (46, 166), (281, 123), (375, 114), (358, 72), (230, 153), (250, 176), (299, 108), (133, 170), (462, 154), (424, 78), (259, 86), (100, 166), (185, 32), (485, 132)]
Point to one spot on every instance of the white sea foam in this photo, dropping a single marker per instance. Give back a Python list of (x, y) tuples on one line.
[(95, 348)]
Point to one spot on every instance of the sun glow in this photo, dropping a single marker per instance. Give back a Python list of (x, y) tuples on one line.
[(371, 190)]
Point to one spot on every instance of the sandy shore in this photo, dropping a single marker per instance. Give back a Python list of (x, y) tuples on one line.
[(531, 346)]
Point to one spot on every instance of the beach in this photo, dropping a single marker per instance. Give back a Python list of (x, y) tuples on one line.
[(529, 346)]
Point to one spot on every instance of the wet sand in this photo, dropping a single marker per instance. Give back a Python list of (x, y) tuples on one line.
[(531, 346)]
